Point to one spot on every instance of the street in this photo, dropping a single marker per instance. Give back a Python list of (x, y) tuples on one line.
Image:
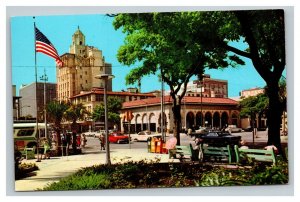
[(93, 144)]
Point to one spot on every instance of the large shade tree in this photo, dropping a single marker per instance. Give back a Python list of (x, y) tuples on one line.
[(173, 45), (263, 33)]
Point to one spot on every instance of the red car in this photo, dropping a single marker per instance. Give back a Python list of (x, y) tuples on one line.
[(118, 138)]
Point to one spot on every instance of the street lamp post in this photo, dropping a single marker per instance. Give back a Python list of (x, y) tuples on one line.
[(106, 77), (45, 78)]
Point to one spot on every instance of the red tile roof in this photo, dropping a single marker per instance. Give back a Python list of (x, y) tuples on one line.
[(186, 100)]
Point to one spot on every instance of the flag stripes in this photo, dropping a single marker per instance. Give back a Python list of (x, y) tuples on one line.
[(43, 45)]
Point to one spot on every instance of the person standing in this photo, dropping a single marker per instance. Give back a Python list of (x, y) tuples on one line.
[(102, 142), (83, 140)]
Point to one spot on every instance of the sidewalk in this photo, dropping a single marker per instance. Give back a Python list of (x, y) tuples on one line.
[(53, 169)]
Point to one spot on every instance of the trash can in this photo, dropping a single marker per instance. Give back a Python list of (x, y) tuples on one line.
[(149, 144), (164, 149), (153, 145), (158, 148)]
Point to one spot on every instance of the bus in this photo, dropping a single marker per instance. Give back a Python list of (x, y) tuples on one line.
[(25, 134)]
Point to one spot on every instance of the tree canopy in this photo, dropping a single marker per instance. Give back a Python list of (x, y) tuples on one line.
[(254, 105), (173, 44), (183, 44), (114, 104)]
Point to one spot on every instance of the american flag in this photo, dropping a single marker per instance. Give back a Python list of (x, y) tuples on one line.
[(43, 45)]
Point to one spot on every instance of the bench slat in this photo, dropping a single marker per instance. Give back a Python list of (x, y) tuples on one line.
[(220, 152), (184, 152), (256, 154)]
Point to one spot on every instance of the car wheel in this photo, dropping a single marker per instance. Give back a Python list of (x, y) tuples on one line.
[(118, 141)]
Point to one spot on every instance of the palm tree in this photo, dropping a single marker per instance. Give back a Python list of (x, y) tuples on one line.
[(73, 113), (55, 112)]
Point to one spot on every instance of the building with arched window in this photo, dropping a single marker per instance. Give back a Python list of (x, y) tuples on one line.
[(195, 112)]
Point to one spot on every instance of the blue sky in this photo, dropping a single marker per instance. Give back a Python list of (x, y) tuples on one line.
[(100, 33)]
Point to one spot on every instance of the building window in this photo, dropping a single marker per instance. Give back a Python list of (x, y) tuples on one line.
[(85, 81), (81, 76)]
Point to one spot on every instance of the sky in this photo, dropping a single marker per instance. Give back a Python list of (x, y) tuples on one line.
[(100, 33)]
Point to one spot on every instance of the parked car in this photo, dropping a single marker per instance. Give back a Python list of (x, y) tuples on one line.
[(98, 133), (218, 138), (89, 134), (233, 129), (202, 130), (117, 137), (143, 136)]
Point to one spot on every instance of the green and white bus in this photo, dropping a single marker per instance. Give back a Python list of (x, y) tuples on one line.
[(25, 134)]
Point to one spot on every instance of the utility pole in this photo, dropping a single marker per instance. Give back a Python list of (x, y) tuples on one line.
[(45, 78)]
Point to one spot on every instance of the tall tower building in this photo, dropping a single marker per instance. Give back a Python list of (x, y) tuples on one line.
[(80, 66)]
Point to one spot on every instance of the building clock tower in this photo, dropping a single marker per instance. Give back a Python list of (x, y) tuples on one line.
[(80, 66)]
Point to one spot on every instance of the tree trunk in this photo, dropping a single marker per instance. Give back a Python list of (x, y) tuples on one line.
[(177, 119), (274, 116), (58, 141)]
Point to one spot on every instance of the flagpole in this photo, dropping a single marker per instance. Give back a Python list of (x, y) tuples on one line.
[(36, 100)]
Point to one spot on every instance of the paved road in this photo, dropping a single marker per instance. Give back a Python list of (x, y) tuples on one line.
[(93, 144)]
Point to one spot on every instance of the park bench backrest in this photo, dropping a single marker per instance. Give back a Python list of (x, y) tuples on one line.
[(256, 154), (183, 151), (217, 152), (29, 152)]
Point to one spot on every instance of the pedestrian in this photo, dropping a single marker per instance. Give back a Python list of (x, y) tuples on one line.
[(78, 140), (102, 141), (68, 141), (46, 146), (83, 140), (189, 133)]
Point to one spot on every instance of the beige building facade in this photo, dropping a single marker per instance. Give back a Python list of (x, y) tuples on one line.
[(90, 99), (252, 92), (208, 87), (210, 112), (80, 67)]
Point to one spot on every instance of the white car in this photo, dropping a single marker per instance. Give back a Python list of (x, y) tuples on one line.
[(202, 130), (143, 136), (97, 134), (89, 134), (233, 129)]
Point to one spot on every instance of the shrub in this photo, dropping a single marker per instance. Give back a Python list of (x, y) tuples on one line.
[(24, 169), (83, 182), (143, 174), (259, 174)]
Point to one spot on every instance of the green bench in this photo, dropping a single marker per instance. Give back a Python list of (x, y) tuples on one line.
[(28, 152), (212, 153), (183, 152), (255, 154)]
